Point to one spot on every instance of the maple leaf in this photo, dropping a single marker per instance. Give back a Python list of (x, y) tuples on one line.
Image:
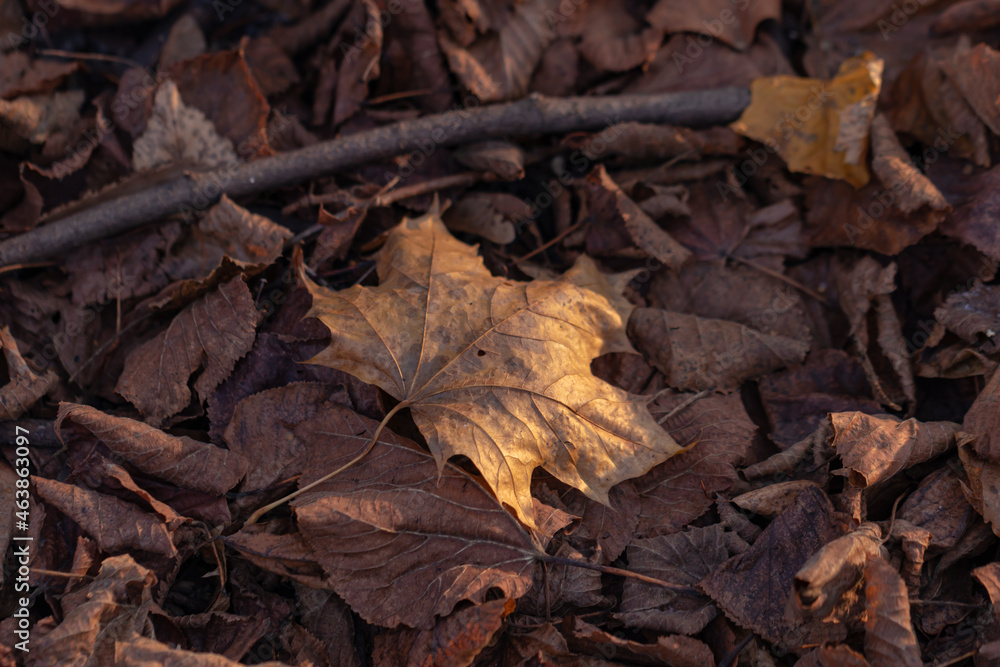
[(493, 369)]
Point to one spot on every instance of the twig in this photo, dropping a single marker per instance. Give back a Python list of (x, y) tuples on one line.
[(783, 278), (556, 560), (535, 114), (687, 401), (88, 56), (730, 658), (554, 240)]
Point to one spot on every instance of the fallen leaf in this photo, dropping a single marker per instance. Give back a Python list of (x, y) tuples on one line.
[(974, 315), (145, 652), (114, 524), (938, 506), (179, 135), (20, 74), (613, 40), (674, 650), (893, 166), (684, 559), (469, 364), (180, 460), (889, 637), (876, 447), (717, 18), (32, 120), (983, 491), (558, 588), (504, 159), (840, 655), (360, 64), (973, 69), (485, 214), (211, 334), (697, 354), (272, 70), (607, 202), (989, 576), (184, 41), (972, 221), (498, 65), (982, 421), (454, 642), (679, 490), (772, 500), (753, 588), (832, 141), (446, 540)]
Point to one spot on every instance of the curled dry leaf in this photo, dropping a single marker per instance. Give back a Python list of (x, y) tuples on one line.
[(938, 506), (753, 588), (498, 65), (876, 447), (179, 460), (773, 499), (973, 221), (679, 490), (454, 642), (114, 524), (974, 315), (674, 650), (698, 354), (973, 69), (32, 120), (718, 18), (608, 203), (495, 370), (895, 169), (486, 214), (983, 491), (446, 540), (180, 135), (502, 158), (613, 40), (982, 421), (20, 74), (683, 558), (833, 570), (360, 64), (889, 636), (25, 388), (142, 651), (211, 334), (989, 576), (832, 141)]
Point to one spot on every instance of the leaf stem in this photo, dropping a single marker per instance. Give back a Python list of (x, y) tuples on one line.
[(556, 560), (291, 496)]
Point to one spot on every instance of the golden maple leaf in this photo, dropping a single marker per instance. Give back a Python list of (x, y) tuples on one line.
[(494, 369)]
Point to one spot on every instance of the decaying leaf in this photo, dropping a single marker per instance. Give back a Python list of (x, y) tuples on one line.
[(818, 127), (674, 650), (984, 483), (876, 447), (974, 315), (181, 461), (697, 354), (729, 22), (180, 135), (889, 637), (773, 499), (982, 421), (212, 333), (614, 40), (502, 158), (495, 370), (31, 120), (446, 539)]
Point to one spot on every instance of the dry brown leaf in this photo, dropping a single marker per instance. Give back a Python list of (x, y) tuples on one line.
[(832, 141), (840, 655), (32, 120), (889, 637), (25, 388), (454, 642), (773, 499), (211, 334), (558, 588), (989, 576), (446, 540), (983, 491), (285, 555), (895, 169), (20, 74), (609, 204), (679, 490), (272, 70), (982, 421), (611, 527), (179, 460), (753, 588), (973, 222), (698, 354), (938, 506), (360, 65), (502, 158), (112, 603), (139, 651), (114, 524), (833, 570), (221, 86), (876, 447), (485, 214), (974, 315), (974, 70), (498, 65), (673, 650), (613, 40), (683, 558), (184, 41), (716, 18), (492, 369), (180, 135)]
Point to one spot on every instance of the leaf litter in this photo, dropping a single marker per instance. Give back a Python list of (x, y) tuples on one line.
[(634, 395)]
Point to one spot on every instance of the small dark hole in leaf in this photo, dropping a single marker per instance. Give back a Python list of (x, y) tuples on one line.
[(481, 353)]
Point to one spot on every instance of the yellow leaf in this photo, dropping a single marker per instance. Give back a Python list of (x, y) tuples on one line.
[(818, 127), (494, 369)]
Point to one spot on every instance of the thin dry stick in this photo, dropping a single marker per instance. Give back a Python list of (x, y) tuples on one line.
[(535, 114), (554, 240), (434, 185), (556, 560), (291, 496), (783, 278), (688, 401)]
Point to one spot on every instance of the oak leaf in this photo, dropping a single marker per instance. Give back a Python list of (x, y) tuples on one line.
[(493, 369)]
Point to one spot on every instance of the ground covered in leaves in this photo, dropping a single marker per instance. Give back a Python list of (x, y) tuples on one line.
[(645, 395)]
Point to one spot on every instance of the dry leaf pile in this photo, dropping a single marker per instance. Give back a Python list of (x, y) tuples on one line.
[(645, 395)]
